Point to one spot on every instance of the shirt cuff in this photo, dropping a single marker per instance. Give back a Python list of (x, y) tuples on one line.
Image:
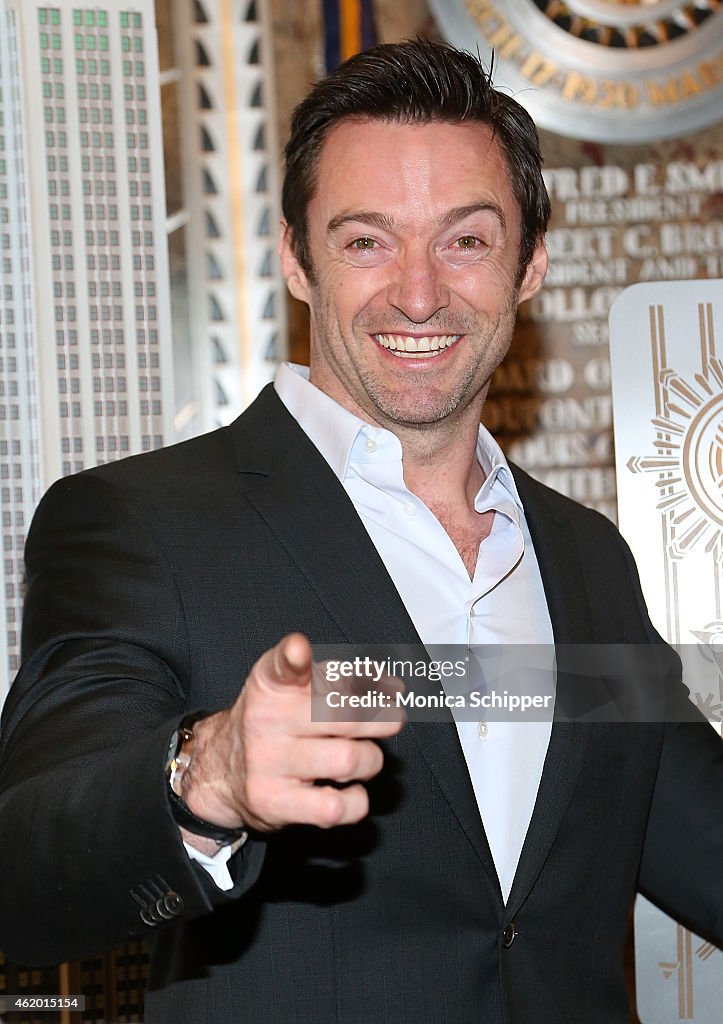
[(216, 866)]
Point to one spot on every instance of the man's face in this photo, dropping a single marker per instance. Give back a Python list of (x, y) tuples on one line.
[(414, 236)]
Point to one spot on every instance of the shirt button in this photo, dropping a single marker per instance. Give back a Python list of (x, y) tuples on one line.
[(509, 935), (483, 729), (371, 446), (409, 509)]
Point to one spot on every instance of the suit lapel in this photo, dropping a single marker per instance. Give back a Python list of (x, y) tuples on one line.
[(302, 502), (298, 496), (567, 602)]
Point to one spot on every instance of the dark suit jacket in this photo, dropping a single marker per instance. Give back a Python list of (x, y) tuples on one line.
[(154, 584)]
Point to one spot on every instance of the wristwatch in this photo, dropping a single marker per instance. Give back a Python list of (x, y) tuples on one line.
[(180, 752)]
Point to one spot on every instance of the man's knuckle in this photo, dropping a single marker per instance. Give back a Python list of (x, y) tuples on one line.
[(257, 792), (345, 760), (331, 808), (374, 759)]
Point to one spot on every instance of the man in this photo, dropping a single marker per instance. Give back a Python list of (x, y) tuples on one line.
[(294, 870)]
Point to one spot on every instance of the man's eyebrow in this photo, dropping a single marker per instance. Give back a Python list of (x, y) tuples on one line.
[(376, 220), (385, 223), (461, 212)]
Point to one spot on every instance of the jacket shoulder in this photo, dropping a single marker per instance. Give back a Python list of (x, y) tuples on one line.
[(255, 443)]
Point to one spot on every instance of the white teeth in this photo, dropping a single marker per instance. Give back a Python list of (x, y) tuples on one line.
[(404, 343)]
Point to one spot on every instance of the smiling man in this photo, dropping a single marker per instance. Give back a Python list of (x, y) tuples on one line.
[(413, 301), (159, 760)]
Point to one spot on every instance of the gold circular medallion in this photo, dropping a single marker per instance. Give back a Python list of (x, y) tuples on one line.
[(604, 70)]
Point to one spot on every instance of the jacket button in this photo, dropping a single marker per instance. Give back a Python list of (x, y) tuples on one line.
[(171, 905), (153, 912), (509, 934), (147, 919), (160, 909)]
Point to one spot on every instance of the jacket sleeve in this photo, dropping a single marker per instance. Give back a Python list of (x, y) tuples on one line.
[(683, 852), (91, 853), (682, 856)]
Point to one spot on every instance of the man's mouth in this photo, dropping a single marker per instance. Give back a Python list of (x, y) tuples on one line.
[(407, 346)]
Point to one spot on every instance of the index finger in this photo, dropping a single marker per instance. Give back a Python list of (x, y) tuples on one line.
[(357, 701)]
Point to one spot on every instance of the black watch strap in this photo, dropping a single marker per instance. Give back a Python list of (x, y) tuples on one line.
[(185, 818), (182, 813)]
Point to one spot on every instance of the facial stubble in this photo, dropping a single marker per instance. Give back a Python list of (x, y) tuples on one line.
[(420, 404)]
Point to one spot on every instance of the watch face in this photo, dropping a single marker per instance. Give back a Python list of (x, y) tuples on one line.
[(172, 749)]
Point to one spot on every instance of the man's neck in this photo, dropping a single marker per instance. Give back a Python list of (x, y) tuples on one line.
[(440, 465), (439, 458), (445, 474)]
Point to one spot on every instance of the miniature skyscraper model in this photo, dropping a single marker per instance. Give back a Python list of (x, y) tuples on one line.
[(85, 330)]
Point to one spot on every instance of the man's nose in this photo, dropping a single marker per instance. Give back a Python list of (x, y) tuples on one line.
[(418, 290)]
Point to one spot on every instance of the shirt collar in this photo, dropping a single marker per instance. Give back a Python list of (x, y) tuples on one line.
[(333, 430), (328, 425), (496, 469)]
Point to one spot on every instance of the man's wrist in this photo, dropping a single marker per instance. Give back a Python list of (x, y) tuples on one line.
[(178, 766)]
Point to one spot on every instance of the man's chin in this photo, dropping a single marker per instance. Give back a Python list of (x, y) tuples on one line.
[(420, 413)]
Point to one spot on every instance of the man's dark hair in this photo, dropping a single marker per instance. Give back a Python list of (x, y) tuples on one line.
[(414, 82)]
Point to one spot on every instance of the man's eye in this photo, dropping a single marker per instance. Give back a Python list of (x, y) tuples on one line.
[(363, 244), (468, 242)]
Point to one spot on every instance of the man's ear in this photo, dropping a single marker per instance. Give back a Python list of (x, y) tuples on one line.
[(534, 274), (296, 280)]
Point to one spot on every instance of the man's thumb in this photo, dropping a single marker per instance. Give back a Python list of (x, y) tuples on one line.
[(290, 661)]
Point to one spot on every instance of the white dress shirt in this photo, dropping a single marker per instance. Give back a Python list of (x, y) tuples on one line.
[(504, 602)]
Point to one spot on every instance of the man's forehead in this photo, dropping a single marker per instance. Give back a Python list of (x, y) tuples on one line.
[(365, 163), (361, 127)]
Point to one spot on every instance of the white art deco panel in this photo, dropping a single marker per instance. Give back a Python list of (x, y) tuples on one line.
[(666, 347)]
